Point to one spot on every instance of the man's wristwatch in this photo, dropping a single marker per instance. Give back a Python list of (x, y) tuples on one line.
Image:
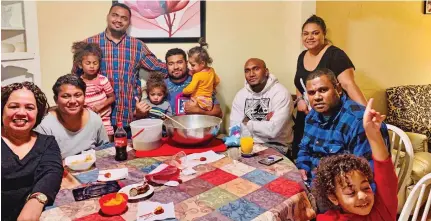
[(42, 198)]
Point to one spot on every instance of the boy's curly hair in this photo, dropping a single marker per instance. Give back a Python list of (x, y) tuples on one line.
[(334, 169), (81, 49), (156, 80)]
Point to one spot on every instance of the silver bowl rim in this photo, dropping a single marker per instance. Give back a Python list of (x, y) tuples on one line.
[(179, 127)]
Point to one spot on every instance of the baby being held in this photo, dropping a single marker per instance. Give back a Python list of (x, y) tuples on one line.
[(204, 80)]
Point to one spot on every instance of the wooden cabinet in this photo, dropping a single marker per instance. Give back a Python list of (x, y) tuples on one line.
[(20, 59)]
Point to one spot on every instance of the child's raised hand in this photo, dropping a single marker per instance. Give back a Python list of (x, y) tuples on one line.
[(372, 119), (372, 122)]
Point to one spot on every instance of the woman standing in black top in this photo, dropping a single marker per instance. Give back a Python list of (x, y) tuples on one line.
[(320, 54), (31, 167)]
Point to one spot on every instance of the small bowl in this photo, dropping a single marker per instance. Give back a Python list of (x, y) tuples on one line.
[(80, 158), (113, 210)]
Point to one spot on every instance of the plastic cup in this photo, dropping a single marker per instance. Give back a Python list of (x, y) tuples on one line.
[(246, 144)]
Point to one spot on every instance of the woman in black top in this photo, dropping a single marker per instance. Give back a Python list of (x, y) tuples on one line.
[(31, 167), (320, 54)]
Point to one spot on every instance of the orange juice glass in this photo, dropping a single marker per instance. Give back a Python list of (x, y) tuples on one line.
[(246, 144)]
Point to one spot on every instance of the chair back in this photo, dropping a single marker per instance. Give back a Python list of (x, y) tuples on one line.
[(401, 146), (414, 201)]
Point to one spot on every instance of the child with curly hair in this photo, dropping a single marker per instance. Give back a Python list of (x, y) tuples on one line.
[(99, 94), (342, 182), (204, 80), (157, 92)]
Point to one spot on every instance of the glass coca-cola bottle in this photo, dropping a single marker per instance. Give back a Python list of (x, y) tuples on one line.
[(120, 140)]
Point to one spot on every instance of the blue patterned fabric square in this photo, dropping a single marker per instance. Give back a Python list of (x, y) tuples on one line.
[(259, 177), (241, 210), (151, 167), (87, 177), (104, 146)]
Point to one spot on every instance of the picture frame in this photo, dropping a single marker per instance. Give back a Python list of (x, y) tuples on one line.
[(168, 21), (427, 7)]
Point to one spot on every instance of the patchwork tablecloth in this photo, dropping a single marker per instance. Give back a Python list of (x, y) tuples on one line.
[(227, 189)]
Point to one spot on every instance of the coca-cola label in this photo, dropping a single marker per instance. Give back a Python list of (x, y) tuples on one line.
[(120, 141)]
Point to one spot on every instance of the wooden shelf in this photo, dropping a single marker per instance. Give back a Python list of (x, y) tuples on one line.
[(12, 28), (14, 56)]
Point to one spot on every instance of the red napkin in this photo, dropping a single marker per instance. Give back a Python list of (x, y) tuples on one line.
[(170, 173), (169, 148)]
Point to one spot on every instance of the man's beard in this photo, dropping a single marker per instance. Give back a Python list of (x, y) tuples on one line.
[(116, 32), (172, 76)]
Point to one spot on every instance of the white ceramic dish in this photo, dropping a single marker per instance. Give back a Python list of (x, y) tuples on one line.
[(126, 190), (81, 163)]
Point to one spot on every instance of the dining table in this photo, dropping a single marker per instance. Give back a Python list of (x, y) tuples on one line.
[(233, 188)]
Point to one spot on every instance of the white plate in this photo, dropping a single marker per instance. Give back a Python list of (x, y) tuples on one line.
[(126, 190)]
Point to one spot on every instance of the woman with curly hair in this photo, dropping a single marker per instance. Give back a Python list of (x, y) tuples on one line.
[(343, 181), (30, 162)]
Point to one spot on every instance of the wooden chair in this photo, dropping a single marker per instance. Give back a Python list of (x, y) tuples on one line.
[(402, 147), (402, 156), (415, 201)]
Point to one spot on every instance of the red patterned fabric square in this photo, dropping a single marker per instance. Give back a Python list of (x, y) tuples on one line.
[(217, 177), (284, 187)]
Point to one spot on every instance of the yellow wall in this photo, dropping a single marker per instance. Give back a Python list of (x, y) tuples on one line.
[(388, 42), (236, 31)]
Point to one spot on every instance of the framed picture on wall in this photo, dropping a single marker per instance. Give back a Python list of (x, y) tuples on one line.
[(427, 7), (167, 21)]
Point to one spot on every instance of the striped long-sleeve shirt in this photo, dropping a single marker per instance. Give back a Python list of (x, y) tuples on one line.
[(342, 133), (121, 63)]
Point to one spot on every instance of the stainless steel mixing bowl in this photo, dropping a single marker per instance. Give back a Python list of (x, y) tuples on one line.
[(201, 129)]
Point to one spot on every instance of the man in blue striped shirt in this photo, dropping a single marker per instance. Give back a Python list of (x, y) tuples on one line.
[(334, 126)]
